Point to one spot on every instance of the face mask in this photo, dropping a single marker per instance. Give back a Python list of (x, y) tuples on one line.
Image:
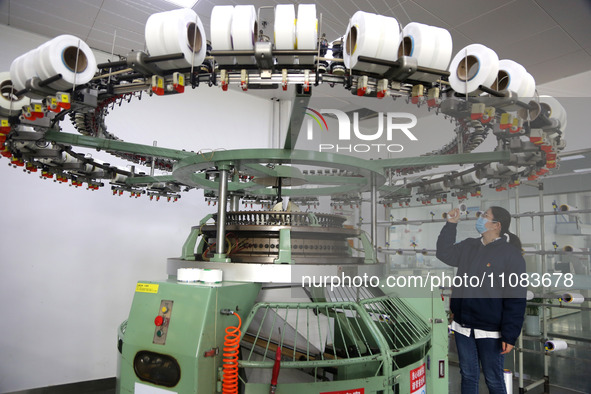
[(481, 225)]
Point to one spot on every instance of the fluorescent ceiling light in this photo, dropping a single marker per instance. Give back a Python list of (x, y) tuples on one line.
[(183, 3), (582, 170), (573, 157)]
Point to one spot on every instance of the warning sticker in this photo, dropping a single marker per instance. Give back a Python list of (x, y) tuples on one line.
[(417, 380), (354, 391), (146, 288)]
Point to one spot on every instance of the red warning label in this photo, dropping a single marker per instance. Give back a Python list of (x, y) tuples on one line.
[(417, 380)]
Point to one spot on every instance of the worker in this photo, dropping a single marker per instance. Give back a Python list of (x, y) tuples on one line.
[(487, 311)]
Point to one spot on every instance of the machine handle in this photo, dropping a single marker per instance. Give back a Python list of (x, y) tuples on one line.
[(276, 368)]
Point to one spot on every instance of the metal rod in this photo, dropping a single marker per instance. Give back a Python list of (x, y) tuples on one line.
[(430, 252), (155, 143), (374, 214), (525, 105), (162, 58), (235, 203), (543, 243), (49, 80), (396, 64), (119, 63), (520, 339), (526, 253), (516, 216), (275, 52), (534, 385), (418, 222), (221, 222), (147, 59), (490, 91), (312, 363), (110, 74), (434, 71), (436, 180), (550, 213), (579, 308), (572, 338), (41, 84)]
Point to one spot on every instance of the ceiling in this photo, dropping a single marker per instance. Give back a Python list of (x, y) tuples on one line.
[(552, 39)]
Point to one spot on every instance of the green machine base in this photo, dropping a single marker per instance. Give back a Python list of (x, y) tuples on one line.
[(173, 340), (325, 339), (362, 343)]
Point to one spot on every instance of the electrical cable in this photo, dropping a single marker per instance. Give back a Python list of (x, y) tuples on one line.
[(230, 366)]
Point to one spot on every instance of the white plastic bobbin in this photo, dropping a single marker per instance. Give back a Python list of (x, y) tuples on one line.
[(211, 276), (188, 275), (555, 344), (574, 298)]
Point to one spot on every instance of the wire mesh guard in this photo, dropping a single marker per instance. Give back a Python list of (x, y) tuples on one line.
[(350, 335)]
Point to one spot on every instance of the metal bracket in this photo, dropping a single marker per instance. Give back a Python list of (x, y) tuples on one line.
[(212, 353), (298, 113), (137, 61), (401, 69), (90, 97), (35, 87), (263, 53), (188, 252)]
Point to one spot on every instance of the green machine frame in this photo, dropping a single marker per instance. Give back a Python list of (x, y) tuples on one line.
[(370, 341), (378, 344)]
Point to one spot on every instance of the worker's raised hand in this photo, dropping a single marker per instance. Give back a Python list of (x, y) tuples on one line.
[(453, 216)]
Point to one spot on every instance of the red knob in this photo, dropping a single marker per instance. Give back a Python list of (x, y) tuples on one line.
[(159, 320)]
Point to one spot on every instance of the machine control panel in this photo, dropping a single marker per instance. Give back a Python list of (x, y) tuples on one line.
[(161, 321)]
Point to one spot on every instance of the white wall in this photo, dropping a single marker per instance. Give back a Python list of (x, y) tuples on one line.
[(70, 257)]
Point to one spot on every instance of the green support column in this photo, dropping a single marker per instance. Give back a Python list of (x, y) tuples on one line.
[(370, 256), (189, 245), (220, 256), (284, 256)]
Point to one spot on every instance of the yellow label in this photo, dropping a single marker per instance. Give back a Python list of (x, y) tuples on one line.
[(146, 288), (160, 82), (38, 108), (53, 101), (4, 123), (65, 98), (181, 80)]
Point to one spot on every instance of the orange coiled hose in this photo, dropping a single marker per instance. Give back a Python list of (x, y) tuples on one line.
[(230, 361)]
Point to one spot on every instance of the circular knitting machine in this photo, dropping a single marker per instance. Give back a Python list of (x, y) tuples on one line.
[(247, 307)]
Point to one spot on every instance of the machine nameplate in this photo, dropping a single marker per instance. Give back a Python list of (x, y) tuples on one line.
[(147, 288)]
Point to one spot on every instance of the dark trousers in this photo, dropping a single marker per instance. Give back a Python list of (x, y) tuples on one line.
[(474, 352)]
